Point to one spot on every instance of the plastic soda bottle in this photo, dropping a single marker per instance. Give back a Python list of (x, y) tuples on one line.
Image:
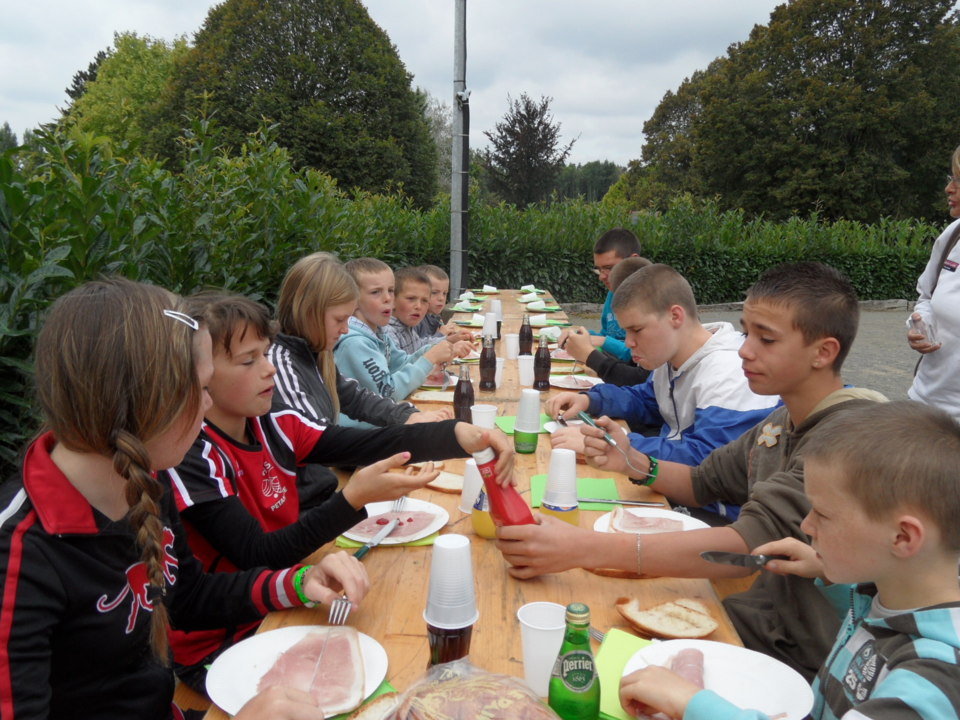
[(574, 692)]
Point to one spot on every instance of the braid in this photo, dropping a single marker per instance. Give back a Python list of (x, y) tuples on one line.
[(143, 492)]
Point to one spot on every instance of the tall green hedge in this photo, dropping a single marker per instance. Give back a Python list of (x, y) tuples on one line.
[(76, 207)]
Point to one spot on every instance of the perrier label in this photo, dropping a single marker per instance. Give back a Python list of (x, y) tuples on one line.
[(574, 692)]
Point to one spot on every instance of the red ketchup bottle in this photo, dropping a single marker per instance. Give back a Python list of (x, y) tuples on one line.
[(507, 507)]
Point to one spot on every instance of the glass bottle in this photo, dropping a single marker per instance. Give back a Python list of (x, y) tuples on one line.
[(463, 395), (541, 366), (526, 336), (488, 365), (574, 692)]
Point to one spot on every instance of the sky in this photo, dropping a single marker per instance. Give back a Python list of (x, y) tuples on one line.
[(606, 64)]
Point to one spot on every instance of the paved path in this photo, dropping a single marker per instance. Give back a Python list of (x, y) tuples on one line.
[(880, 358)]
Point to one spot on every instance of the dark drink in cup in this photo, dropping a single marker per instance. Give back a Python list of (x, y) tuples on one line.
[(447, 645)]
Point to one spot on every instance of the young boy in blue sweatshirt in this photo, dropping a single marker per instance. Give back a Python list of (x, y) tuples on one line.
[(881, 481), (366, 354), (697, 392)]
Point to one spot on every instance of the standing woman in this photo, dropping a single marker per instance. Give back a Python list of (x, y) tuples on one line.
[(934, 325), (94, 563)]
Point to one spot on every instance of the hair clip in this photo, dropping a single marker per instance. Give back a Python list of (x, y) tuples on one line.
[(182, 317)]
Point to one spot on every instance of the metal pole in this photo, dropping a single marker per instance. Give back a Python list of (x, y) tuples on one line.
[(460, 156)]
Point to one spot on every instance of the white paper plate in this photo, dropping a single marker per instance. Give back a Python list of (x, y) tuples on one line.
[(553, 425), (568, 382), (233, 678), (379, 508), (437, 396), (454, 379), (602, 523), (746, 678)]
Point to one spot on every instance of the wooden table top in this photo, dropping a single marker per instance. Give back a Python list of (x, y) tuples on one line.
[(392, 613)]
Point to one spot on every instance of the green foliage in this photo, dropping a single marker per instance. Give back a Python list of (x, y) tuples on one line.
[(591, 181), (73, 207), (80, 79), (839, 107), (119, 99), (525, 158), (325, 73), (8, 138)]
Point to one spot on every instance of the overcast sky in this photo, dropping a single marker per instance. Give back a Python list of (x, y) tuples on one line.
[(605, 63)]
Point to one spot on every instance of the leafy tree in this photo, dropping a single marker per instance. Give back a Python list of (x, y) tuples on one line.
[(439, 118), (525, 157), (8, 138), (843, 107), (83, 77), (325, 73), (120, 101), (589, 181)]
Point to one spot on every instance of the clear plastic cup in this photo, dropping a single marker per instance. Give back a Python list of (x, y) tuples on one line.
[(541, 632), (451, 597)]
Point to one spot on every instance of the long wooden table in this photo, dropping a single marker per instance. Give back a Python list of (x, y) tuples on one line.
[(392, 613)]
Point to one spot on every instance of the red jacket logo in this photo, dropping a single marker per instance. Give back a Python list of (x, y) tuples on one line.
[(138, 582)]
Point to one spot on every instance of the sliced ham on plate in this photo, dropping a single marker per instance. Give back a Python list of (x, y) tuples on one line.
[(688, 664), (411, 522), (327, 664), (624, 520)]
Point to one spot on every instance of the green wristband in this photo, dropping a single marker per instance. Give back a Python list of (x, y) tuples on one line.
[(298, 586), (651, 473)]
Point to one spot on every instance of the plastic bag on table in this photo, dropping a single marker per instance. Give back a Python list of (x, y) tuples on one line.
[(461, 691)]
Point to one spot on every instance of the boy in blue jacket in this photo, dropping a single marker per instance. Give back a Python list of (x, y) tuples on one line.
[(881, 481), (366, 354), (697, 392)]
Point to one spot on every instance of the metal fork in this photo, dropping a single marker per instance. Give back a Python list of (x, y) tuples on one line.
[(596, 634), (399, 503), (339, 611)]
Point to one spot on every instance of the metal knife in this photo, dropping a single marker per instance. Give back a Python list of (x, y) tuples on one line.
[(740, 559), (377, 539), (446, 378), (638, 503)]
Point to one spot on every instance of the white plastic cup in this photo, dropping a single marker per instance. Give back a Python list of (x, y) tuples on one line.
[(528, 411), (472, 482), (498, 378), (451, 596), (511, 344), (484, 416), (561, 489), (490, 325), (542, 625), (525, 370), (497, 307), (529, 297)]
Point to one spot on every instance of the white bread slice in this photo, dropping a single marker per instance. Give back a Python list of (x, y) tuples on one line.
[(378, 708), (447, 482), (681, 618)]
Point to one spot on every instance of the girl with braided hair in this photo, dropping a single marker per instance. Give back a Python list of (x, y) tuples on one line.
[(94, 563)]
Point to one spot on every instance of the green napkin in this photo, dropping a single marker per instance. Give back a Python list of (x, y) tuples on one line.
[(506, 423), (385, 687), (586, 487), (615, 650), (344, 542), (558, 323)]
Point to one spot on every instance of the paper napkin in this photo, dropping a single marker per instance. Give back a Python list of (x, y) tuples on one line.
[(615, 650), (506, 423), (600, 488)]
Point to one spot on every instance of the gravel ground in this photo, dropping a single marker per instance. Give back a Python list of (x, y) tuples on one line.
[(880, 358)]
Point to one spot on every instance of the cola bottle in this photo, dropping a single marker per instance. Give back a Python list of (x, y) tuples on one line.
[(488, 365), (541, 366), (463, 396), (526, 336)]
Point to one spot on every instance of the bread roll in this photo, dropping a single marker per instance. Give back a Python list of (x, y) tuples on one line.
[(681, 618)]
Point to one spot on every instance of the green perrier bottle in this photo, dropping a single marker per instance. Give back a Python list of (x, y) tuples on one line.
[(574, 686)]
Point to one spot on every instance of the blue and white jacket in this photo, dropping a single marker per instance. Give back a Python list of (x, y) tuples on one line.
[(702, 405), (902, 666), (376, 363)]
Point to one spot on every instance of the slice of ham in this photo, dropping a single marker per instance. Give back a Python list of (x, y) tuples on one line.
[(688, 664), (579, 382), (561, 354), (624, 520), (327, 664), (411, 521)]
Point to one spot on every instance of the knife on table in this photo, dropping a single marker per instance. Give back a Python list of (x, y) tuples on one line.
[(746, 560), (377, 539), (638, 503)]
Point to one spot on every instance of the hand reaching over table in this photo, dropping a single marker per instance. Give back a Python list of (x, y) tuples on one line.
[(656, 689), (473, 439), (430, 416), (376, 482), (803, 560), (281, 703), (549, 547), (568, 403), (337, 573), (578, 342)]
